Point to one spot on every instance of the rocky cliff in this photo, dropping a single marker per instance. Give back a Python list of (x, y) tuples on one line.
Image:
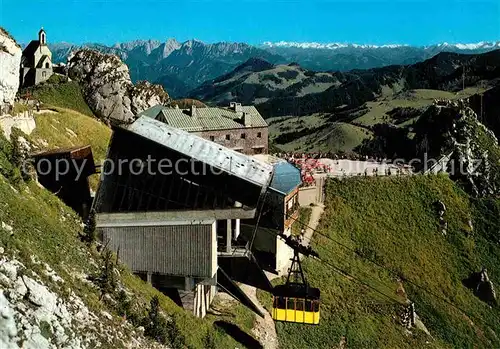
[(10, 60), (108, 89), (37, 317), (452, 127)]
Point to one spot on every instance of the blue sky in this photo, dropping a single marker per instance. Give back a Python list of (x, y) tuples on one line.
[(419, 22)]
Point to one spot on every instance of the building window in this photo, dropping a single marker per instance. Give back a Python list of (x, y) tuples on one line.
[(243, 136), (257, 150), (228, 137), (212, 138), (44, 74), (47, 65), (259, 134)]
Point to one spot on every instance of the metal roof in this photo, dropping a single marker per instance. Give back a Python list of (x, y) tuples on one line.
[(210, 153), (286, 176), (206, 119), (152, 112)]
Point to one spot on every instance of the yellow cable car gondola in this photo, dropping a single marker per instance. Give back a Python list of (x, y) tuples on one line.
[(296, 301)]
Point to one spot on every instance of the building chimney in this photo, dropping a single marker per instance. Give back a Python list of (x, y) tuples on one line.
[(235, 106), (193, 111), (245, 119)]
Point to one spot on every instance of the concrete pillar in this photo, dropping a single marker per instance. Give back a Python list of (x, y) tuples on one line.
[(195, 302), (202, 301), (149, 277), (213, 291), (228, 236), (237, 229), (207, 291)]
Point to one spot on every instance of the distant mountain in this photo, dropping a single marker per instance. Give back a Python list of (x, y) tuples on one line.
[(335, 45), (181, 67), (280, 90), (345, 57)]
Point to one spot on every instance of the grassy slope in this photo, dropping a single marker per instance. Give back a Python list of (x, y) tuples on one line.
[(64, 94), (53, 128), (52, 132), (46, 228), (344, 137), (396, 225), (337, 137), (377, 111)]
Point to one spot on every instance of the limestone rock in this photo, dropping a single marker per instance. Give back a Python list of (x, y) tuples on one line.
[(19, 290), (108, 89), (4, 281), (10, 62), (33, 314), (453, 132), (482, 286), (38, 294), (9, 269), (8, 330), (7, 227)]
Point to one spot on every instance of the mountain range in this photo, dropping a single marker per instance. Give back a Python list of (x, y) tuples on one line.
[(345, 57), (182, 67), (179, 67), (281, 90)]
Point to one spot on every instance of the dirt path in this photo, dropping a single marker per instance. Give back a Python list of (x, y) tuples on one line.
[(264, 328), (316, 213), (45, 111)]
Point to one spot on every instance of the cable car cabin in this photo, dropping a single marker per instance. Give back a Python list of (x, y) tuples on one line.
[(296, 302)]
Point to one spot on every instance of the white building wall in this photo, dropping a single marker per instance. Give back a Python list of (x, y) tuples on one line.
[(214, 248), (283, 254)]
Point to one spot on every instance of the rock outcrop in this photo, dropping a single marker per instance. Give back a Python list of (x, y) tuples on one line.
[(10, 61), (108, 89), (482, 286), (34, 316), (452, 127)]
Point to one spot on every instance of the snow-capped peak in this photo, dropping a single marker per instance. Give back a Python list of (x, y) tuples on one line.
[(327, 46), (336, 45), (333, 45), (472, 46)]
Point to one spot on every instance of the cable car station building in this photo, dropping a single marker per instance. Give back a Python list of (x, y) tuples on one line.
[(179, 227), (280, 212)]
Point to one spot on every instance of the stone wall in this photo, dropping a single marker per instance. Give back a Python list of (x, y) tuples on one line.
[(25, 122), (308, 195), (250, 144)]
